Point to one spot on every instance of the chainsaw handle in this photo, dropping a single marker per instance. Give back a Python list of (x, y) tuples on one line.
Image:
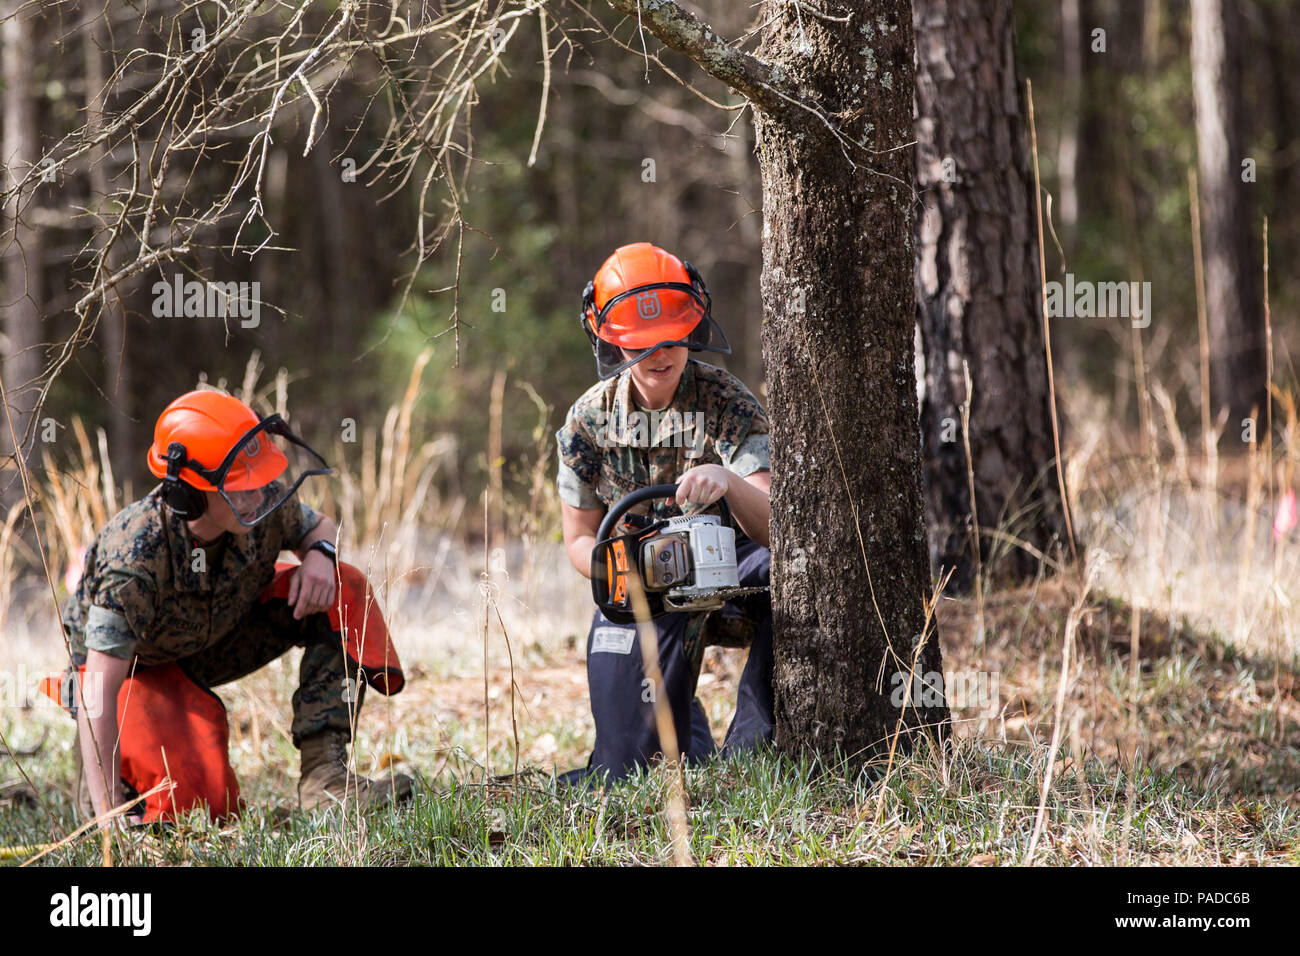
[(650, 493)]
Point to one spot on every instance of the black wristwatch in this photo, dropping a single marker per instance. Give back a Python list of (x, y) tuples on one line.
[(326, 548)]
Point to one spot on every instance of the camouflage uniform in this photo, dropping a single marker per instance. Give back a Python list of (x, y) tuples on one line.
[(605, 453), (150, 593), (609, 447)]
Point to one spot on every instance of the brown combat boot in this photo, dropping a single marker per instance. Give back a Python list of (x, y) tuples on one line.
[(326, 779)]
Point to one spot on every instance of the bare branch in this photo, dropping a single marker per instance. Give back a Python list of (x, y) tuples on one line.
[(686, 33)]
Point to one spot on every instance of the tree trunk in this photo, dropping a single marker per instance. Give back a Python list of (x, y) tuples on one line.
[(1151, 17), (1067, 150), (113, 316), (748, 308), (850, 577), (1232, 285), (979, 295), (1282, 27), (20, 249)]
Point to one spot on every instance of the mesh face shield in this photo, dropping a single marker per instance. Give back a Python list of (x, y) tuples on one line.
[(262, 470)]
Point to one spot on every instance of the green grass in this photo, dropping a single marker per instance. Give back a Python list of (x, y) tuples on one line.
[(976, 806)]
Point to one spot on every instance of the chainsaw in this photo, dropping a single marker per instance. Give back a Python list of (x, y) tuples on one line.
[(686, 563)]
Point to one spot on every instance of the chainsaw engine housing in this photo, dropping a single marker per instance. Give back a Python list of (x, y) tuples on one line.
[(686, 563), (691, 558)]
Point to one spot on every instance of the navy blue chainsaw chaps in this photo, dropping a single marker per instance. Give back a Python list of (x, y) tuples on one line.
[(623, 697)]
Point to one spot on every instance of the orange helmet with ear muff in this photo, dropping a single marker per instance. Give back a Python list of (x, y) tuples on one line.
[(642, 299), (211, 441)]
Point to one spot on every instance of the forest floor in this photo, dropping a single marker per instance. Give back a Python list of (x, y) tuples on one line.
[(1213, 732)]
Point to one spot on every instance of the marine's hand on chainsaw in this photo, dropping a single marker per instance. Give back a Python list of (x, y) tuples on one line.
[(701, 486), (747, 497), (312, 587)]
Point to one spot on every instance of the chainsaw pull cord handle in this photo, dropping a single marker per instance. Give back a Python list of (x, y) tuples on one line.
[(650, 493)]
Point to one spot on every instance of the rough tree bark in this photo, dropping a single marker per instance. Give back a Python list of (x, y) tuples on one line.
[(1232, 285), (20, 247), (850, 576), (978, 294)]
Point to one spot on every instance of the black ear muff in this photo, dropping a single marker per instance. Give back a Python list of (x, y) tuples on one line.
[(697, 280), (187, 501), (587, 317), (702, 333)]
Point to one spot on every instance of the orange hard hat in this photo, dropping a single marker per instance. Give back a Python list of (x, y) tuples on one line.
[(209, 424), (644, 298)]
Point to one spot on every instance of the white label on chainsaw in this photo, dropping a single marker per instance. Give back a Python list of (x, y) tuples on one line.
[(613, 640)]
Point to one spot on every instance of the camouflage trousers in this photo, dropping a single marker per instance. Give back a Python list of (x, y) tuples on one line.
[(330, 692)]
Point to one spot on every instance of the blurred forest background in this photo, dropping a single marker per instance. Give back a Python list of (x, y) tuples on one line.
[(620, 159)]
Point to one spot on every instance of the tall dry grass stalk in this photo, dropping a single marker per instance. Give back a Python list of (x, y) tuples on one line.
[(1047, 328), (1071, 629), (1134, 727), (1268, 371), (673, 767), (10, 546), (539, 515), (494, 517), (387, 504), (80, 500), (929, 630), (107, 817), (1289, 477), (1170, 556), (1247, 557), (974, 511), (1209, 434), (1202, 320)]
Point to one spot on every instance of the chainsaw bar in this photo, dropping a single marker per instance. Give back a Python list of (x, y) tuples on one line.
[(711, 601), (730, 594)]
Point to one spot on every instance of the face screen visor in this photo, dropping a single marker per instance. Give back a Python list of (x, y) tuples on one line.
[(639, 322), (263, 470)]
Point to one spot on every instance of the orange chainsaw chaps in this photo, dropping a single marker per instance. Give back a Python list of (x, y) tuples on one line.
[(355, 615), (172, 729)]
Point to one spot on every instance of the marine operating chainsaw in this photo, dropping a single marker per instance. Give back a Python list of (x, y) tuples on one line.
[(686, 563)]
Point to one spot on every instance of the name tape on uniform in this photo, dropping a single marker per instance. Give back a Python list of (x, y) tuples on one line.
[(612, 640)]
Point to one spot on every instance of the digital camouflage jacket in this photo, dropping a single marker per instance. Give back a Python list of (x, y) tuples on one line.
[(147, 589), (609, 446)]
